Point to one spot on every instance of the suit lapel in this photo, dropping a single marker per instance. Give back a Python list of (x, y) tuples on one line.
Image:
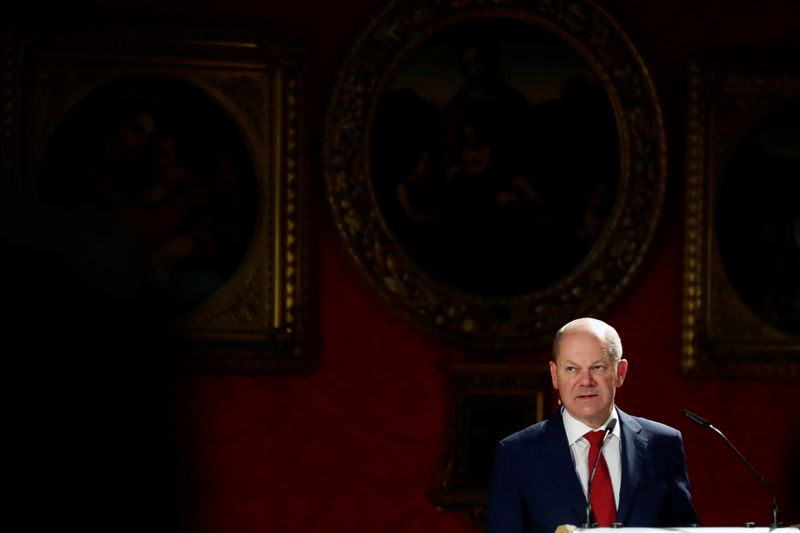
[(632, 463), (562, 469)]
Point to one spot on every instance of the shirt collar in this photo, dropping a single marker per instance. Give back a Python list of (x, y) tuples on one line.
[(576, 429)]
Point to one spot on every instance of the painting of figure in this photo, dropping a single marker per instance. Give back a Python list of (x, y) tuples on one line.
[(495, 157), (759, 218), (154, 190)]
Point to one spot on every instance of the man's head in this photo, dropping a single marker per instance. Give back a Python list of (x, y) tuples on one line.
[(587, 368)]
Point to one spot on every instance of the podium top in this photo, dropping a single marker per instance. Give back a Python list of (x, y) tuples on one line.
[(573, 529)]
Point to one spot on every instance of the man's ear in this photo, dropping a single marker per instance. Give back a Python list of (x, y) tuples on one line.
[(622, 371), (554, 374)]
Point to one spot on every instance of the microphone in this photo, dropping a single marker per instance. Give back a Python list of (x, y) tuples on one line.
[(706, 424), (609, 428)]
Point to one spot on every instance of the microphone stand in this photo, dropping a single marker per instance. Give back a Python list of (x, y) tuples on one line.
[(706, 424)]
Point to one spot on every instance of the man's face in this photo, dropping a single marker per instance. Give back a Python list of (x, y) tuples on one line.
[(586, 378)]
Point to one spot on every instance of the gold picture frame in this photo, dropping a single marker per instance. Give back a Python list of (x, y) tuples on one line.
[(741, 287), (474, 273), (232, 102)]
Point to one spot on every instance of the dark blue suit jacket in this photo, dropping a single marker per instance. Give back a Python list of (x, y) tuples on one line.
[(534, 486)]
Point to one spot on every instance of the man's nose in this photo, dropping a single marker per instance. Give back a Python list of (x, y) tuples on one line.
[(585, 379)]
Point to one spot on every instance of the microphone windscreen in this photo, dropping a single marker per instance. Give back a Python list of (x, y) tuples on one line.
[(696, 419)]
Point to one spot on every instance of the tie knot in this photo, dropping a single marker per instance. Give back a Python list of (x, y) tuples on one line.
[(595, 438)]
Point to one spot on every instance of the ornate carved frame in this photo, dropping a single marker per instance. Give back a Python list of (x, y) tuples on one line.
[(257, 321), (475, 322), (721, 334)]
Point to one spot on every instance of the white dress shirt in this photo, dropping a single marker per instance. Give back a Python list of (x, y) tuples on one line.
[(579, 448)]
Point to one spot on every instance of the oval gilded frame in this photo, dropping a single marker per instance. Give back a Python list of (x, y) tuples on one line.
[(475, 321)]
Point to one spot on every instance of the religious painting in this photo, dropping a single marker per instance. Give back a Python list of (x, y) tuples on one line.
[(157, 188), (495, 170), (473, 157), (164, 169), (742, 286)]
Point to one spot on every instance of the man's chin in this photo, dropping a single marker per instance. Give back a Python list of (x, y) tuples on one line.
[(589, 411)]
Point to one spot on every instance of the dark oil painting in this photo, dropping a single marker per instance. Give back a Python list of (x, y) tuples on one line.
[(759, 218), (154, 191), (495, 157)]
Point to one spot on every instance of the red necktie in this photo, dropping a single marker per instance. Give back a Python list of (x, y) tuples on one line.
[(602, 495)]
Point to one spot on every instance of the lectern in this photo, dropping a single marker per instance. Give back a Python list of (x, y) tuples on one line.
[(574, 529)]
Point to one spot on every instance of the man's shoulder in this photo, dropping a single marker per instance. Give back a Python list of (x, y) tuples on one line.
[(651, 427), (532, 435)]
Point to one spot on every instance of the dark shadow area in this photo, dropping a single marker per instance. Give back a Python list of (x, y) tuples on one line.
[(91, 439)]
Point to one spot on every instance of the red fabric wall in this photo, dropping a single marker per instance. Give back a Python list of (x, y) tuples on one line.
[(354, 445)]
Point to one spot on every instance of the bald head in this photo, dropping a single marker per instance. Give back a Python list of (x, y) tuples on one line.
[(594, 328)]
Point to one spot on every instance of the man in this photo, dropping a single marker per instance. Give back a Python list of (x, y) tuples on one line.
[(540, 474)]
